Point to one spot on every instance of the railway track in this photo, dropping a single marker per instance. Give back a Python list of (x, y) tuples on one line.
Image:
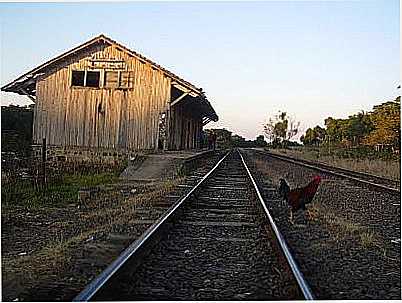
[(359, 177), (217, 242)]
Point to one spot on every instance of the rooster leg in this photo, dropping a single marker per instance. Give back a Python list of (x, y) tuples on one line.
[(291, 217)]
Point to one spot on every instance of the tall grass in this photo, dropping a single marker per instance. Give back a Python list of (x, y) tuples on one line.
[(62, 192), (390, 168)]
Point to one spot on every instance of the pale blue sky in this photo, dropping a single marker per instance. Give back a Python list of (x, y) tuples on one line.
[(313, 59)]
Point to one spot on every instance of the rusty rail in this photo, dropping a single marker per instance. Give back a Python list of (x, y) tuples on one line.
[(137, 247), (358, 177), (132, 256), (301, 281)]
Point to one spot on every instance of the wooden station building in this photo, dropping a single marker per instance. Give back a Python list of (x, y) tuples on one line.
[(102, 95)]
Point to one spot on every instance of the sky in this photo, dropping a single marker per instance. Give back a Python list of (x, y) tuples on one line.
[(311, 59)]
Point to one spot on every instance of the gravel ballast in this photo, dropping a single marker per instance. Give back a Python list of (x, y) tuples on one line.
[(219, 248), (348, 246), (52, 253)]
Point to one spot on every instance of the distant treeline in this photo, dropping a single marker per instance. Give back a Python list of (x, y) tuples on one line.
[(378, 129), (16, 129), (225, 139)]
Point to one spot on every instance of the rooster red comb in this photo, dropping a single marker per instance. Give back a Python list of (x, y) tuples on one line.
[(317, 178)]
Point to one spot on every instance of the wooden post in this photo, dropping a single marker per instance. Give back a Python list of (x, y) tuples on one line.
[(169, 134), (44, 162)]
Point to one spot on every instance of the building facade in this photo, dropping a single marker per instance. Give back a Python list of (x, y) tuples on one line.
[(102, 95)]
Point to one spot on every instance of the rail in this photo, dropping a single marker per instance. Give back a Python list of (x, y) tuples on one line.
[(106, 275), (339, 172), (131, 257), (291, 261)]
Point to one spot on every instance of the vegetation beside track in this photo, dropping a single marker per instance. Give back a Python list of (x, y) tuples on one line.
[(60, 192), (349, 232), (385, 165), (52, 248), (45, 255)]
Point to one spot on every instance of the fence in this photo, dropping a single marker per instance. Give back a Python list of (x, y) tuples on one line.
[(24, 176)]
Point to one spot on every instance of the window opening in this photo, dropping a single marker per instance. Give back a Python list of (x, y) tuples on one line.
[(93, 78), (111, 79), (77, 78)]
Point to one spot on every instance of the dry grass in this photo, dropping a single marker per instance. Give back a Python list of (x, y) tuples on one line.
[(263, 167), (126, 210), (27, 271), (343, 228), (388, 169), (318, 213), (313, 214), (368, 239), (23, 272)]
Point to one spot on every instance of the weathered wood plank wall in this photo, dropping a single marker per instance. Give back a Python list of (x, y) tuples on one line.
[(111, 117), (185, 128), (99, 117)]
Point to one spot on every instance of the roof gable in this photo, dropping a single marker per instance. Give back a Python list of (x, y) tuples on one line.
[(26, 84), (23, 84)]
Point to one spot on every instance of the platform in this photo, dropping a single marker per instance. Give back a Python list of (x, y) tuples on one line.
[(158, 166)]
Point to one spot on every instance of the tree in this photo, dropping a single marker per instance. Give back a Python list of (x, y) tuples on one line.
[(16, 129), (336, 131), (320, 133), (360, 126), (238, 141), (293, 127), (380, 127), (269, 130), (260, 141), (223, 136), (314, 136), (386, 123), (281, 128)]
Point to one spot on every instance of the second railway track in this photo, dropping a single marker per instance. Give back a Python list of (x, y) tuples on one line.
[(370, 180), (216, 243)]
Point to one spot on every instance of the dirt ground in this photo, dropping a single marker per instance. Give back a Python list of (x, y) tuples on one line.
[(51, 253), (348, 248)]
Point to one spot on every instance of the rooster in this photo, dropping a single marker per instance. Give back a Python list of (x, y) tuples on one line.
[(298, 198)]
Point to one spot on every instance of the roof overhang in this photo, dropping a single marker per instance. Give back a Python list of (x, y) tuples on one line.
[(28, 80), (199, 107), (196, 102), (195, 97)]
